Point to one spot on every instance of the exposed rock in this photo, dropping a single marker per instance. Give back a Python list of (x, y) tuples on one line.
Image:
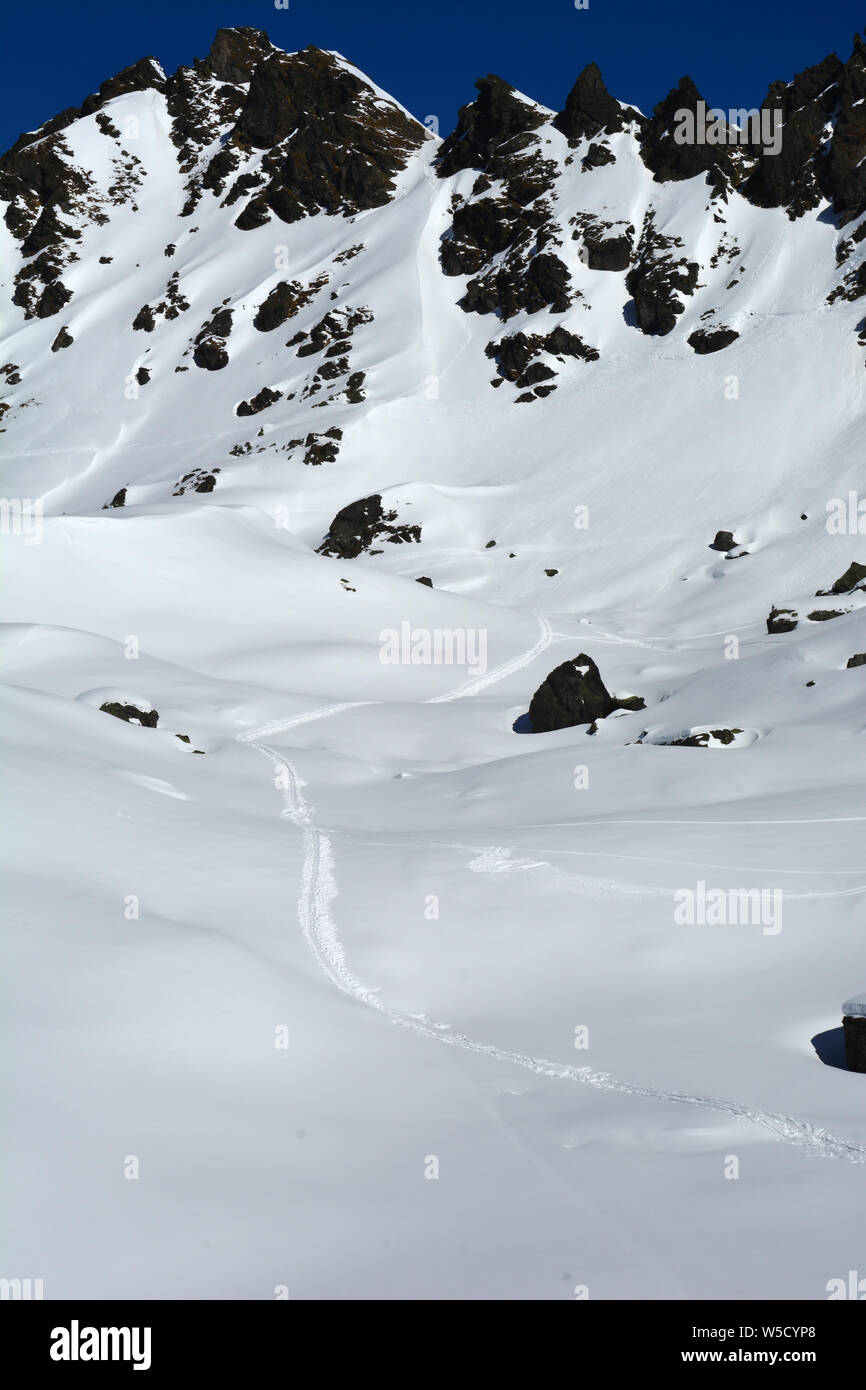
[(545, 284), (259, 402), (424, 579), (131, 713), (514, 355), (841, 172), (144, 320), (596, 157), (236, 53), (491, 133), (854, 1033), (283, 302), (724, 541), (574, 693), (825, 615), (702, 740), (53, 298), (322, 448), (670, 160), (852, 286), (354, 394), (851, 579), (590, 110), (210, 354), (504, 239), (781, 620), (334, 145), (118, 500), (706, 340), (603, 252), (185, 738), (357, 526), (657, 281), (64, 339), (790, 178), (199, 480), (140, 76), (859, 659)]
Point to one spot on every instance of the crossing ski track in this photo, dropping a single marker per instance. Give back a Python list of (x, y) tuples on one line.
[(319, 930)]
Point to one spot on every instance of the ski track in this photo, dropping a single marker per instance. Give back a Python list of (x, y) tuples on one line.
[(319, 888)]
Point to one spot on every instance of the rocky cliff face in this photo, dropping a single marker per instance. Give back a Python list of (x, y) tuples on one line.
[(282, 187)]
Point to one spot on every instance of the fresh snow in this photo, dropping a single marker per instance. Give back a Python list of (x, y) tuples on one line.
[(368, 855)]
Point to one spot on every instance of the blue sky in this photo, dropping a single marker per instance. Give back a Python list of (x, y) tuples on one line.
[(428, 55)]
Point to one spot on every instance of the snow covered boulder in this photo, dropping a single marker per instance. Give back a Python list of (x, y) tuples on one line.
[(574, 693), (132, 714), (781, 620), (854, 1028)]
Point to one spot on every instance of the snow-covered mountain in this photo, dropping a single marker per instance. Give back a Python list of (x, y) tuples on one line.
[(386, 995)]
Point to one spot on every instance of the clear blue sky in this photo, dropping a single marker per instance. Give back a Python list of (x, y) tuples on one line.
[(429, 54)]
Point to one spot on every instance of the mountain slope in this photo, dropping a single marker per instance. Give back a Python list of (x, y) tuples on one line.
[(274, 353)]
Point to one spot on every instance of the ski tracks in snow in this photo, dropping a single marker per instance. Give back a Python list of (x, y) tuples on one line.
[(316, 920)]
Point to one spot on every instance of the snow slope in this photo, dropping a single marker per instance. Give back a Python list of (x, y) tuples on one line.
[(436, 907)]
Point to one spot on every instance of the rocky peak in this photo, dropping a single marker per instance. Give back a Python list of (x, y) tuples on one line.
[(346, 144), (135, 78), (790, 178), (590, 109), (236, 53), (669, 160), (489, 131), (843, 171)]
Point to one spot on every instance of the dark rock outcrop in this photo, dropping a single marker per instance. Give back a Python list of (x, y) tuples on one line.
[(702, 740), (600, 250), (131, 713), (333, 145), (514, 354), (236, 53), (259, 402), (852, 579), (210, 354), (491, 132), (670, 160), (590, 110), (781, 620), (356, 527), (854, 1032), (199, 480), (574, 693), (657, 281), (283, 302), (790, 178), (706, 340), (724, 540)]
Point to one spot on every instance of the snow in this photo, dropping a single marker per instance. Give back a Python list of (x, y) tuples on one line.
[(856, 1007), (367, 855)]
